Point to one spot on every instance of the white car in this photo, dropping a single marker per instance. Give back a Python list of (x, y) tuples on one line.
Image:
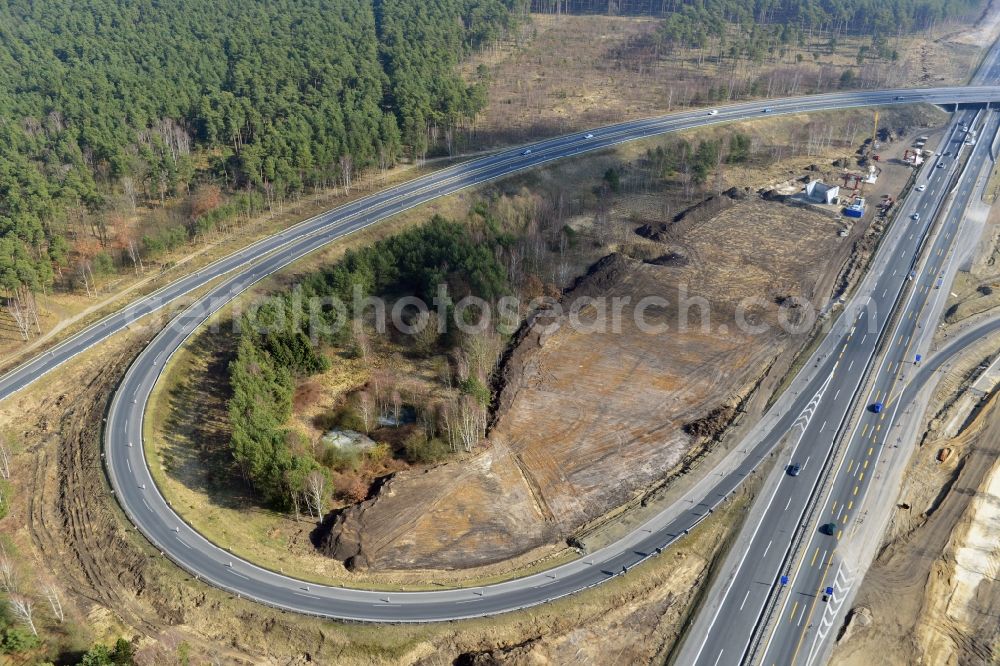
[(921, 188), (713, 112), (915, 216), (589, 136), (526, 152)]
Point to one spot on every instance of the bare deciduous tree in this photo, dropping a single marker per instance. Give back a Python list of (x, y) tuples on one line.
[(52, 596), (346, 172), (362, 342), (397, 407), (367, 409), (315, 493), (23, 609), (8, 576), (464, 423)]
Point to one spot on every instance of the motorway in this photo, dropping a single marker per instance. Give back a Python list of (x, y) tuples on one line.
[(276, 251), (138, 495), (770, 608)]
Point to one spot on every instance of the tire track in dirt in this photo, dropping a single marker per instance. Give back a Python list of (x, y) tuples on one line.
[(71, 518)]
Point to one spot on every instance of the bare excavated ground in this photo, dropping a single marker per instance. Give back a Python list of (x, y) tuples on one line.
[(593, 421), (589, 418), (64, 528), (932, 595)]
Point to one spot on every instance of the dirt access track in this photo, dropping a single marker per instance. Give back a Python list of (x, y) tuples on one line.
[(587, 419)]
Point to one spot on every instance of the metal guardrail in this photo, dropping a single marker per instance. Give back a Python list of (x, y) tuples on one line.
[(825, 482)]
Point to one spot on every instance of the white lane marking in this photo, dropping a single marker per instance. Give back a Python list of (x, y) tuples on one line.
[(787, 504), (719, 657), (767, 549), (865, 337), (184, 543), (823, 427), (147, 505), (745, 596), (835, 395), (739, 565), (237, 573), (310, 596), (129, 463)]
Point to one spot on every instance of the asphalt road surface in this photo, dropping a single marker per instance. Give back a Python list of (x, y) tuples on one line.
[(781, 603), (137, 494), (821, 424)]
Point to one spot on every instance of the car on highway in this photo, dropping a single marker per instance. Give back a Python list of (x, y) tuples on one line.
[(713, 112), (588, 136), (915, 216), (898, 97), (913, 274), (877, 407), (940, 281), (526, 152), (768, 109), (921, 188), (794, 469), (828, 528), (940, 165)]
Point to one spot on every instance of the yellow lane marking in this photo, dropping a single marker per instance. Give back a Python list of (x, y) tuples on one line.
[(864, 430), (812, 607), (866, 464), (849, 505), (861, 477), (813, 563), (791, 615), (855, 491), (870, 449)]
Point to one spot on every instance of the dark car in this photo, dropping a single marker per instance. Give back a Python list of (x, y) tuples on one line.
[(877, 407), (794, 469), (828, 528)]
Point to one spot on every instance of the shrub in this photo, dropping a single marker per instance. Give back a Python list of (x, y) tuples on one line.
[(423, 450)]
